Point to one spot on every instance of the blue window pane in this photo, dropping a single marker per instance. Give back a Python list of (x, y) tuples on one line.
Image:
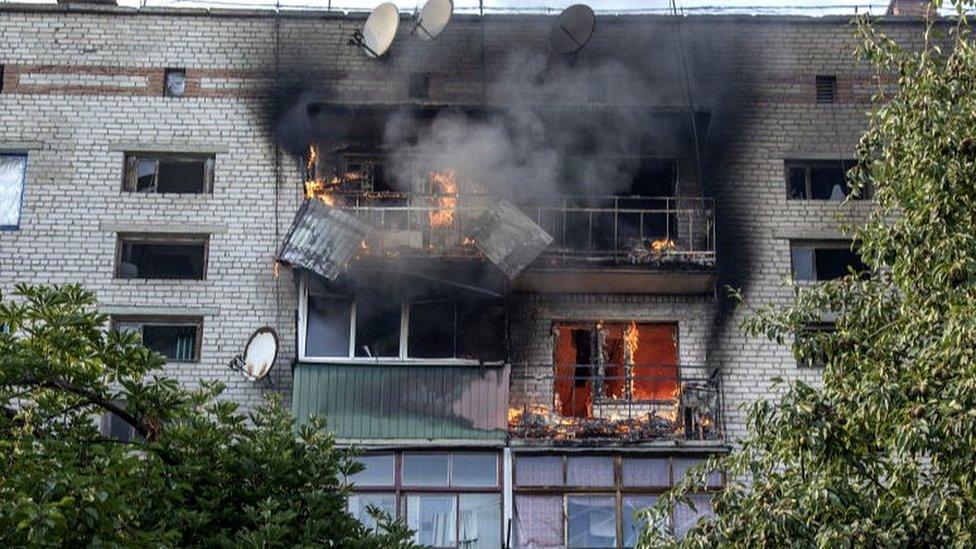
[(433, 519), (474, 470), (480, 522), (591, 521), (685, 518), (359, 507), (425, 469), (378, 471), (632, 526)]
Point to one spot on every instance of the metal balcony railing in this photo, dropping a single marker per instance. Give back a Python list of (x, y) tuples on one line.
[(586, 230), (626, 403)]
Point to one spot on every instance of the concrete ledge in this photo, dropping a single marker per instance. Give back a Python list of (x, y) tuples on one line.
[(137, 310), (171, 147), (20, 146)]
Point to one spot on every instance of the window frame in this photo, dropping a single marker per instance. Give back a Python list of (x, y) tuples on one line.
[(814, 245), (166, 320), (130, 165), (170, 71), (813, 363), (402, 358), (23, 187), (808, 164), (162, 238), (618, 491), (401, 491)]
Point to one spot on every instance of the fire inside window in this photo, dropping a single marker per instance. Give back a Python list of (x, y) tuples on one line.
[(606, 362)]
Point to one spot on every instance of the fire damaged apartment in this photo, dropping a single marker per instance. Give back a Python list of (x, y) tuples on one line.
[(494, 251)]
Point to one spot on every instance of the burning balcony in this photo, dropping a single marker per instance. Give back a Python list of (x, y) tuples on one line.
[(599, 404)]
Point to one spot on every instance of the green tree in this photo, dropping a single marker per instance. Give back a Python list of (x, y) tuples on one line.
[(884, 452), (200, 472)]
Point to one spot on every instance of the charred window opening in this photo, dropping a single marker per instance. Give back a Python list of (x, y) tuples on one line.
[(174, 82), (177, 339), (826, 88), (389, 326), (168, 173), (614, 361), (819, 180), (419, 85), (811, 346), (182, 257), (655, 177), (820, 261), (1, 78)]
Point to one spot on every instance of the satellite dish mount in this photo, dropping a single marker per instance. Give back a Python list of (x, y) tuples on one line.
[(377, 35), (432, 19), (259, 355)]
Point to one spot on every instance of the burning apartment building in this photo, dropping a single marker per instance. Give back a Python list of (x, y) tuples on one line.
[(493, 259)]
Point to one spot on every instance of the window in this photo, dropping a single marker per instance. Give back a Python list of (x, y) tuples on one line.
[(419, 85), (826, 88), (174, 82), (824, 261), (13, 171), (178, 339), (1, 78), (603, 362), (168, 173), (450, 499), (162, 257), (115, 428), (819, 180), (811, 345), (595, 505), (339, 323)]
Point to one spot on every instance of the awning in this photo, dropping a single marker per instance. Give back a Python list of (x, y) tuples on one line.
[(322, 239), (508, 238), (366, 404)]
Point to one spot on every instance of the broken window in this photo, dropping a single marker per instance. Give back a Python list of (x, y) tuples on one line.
[(13, 171), (445, 327), (168, 173), (177, 339), (824, 261), (819, 180), (162, 257), (174, 82), (597, 362)]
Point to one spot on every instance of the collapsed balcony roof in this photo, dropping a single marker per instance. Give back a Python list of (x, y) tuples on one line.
[(666, 131)]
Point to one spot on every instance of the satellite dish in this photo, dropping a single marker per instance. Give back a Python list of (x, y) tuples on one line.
[(259, 353), (572, 29), (378, 32), (432, 19)]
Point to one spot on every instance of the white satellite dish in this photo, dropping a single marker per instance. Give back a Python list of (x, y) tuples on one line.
[(432, 19), (572, 29), (377, 34), (260, 353)]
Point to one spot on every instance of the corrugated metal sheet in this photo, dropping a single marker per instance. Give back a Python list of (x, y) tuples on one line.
[(322, 239), (375, 403), (509, 238)]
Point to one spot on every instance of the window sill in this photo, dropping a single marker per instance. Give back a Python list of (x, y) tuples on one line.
[(406, 362)]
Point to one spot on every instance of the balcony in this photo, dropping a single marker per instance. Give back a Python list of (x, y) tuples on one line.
[(627, 405), (638, 244)]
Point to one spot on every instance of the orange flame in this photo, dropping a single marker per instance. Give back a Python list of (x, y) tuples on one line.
[(444, 186), (662, 245), (317, 187), (631, 343)]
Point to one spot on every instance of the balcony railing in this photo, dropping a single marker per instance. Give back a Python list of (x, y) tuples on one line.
[(586, 230), (623, 403)]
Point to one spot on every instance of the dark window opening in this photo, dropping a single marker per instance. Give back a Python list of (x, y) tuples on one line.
[(174, 82), (169, 173), (149, 257), (433, 329), (828, 261), (114, 427), (1, 78), (377, 326), (819, 180), (419, 85), (328, 329), (176, 339), (811, 345), (826, 88), (655, 177)]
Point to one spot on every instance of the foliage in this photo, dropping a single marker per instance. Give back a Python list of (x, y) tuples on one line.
[(883, 453), (201, 473)]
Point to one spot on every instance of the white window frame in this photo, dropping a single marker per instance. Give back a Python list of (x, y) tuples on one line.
[(351, 358)]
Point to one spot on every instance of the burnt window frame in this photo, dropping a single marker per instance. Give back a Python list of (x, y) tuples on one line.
[(164, 239), (403, 357), (814, 245), (400, 490), (618, 490), (166, 320), (130, 167), (808, 165)]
